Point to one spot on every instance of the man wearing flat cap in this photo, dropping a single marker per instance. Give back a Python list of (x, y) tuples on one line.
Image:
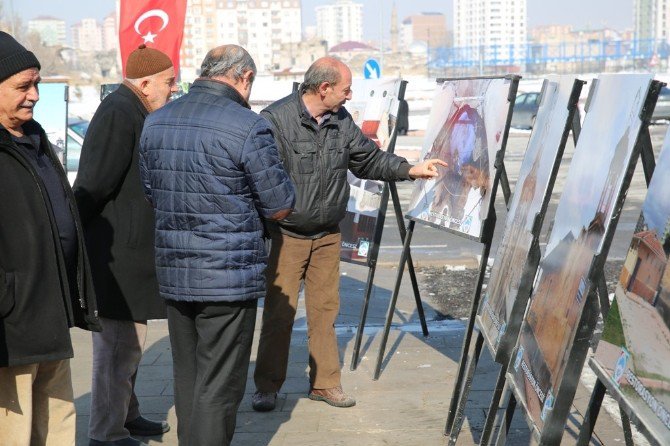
[(119, 228), (45, 279)]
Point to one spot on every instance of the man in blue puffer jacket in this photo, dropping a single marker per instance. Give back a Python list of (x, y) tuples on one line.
[(211, 168)]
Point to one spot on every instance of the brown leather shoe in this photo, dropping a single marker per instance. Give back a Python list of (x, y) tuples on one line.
[(334, 396)]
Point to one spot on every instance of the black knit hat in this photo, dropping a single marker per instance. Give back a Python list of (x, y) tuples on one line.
[(14, 58)]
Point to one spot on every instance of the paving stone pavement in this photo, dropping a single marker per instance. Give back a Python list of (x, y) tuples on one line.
[(406, 406)]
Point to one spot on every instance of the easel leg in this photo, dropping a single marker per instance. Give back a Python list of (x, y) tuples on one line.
[(456, 395), (361, 321), (507, 421), (394, 299), (603, 295), (417, 294), (625, 424), (395, 199), (492, 414), (455, 429), (591, 414)]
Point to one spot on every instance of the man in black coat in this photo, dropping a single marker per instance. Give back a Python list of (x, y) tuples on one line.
[(119, 227), (318, 142), (45, 280)]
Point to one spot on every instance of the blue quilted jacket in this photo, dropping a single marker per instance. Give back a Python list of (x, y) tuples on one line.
[(211, 169)]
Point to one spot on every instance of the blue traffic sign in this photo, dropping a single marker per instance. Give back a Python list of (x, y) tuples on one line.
[(371, 69)]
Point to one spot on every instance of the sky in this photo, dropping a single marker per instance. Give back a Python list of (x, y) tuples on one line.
[(616, 14)]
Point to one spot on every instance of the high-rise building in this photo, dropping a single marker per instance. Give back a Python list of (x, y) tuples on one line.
[(652, 22), (50, 29), (428, 27), (87, 35), (260, 26), (340, 22), (110, 33), (493, 30)]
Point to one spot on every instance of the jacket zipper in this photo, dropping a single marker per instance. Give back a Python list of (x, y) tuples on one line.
[(37, 180)]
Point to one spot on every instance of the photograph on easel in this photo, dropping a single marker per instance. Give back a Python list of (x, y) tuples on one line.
[(374, 109), (547, 347), (466, 130), (536, 175), (634, 349)]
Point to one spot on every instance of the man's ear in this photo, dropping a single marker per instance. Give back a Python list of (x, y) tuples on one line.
[(324, 87), (143, 85)]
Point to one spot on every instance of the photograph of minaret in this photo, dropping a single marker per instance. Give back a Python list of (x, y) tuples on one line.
[(593, 184), (539, 163)]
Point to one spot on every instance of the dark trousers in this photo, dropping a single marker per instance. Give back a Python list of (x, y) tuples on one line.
[(211, 346)]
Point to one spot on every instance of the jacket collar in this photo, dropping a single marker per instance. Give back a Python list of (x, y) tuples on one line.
[(219, 88), (306, 118), (137, 94), (29, 128)]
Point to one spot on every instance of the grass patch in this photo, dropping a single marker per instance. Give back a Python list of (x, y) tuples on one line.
[(613, 332)]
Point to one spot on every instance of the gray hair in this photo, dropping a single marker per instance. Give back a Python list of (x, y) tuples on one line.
[(229, 61), (323, 70)]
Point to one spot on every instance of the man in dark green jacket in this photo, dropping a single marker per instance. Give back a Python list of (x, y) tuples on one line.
[(318, 142), (119, 227), (45, 280)]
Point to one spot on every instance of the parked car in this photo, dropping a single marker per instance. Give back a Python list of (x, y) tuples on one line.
[(662, 109), (525, 110), (76, 130)]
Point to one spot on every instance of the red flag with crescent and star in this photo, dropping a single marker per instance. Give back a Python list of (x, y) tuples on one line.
[(156, 23)]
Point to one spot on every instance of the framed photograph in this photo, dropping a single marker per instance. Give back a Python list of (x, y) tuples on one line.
[(504, 301), (633, 355), (549, 355), (375, 110), (467, 128)]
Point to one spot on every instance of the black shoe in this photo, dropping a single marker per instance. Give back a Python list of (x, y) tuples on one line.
[(129, 441), (264, 401), (142, 427)]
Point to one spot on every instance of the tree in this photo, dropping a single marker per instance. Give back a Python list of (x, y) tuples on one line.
[(10, 22)]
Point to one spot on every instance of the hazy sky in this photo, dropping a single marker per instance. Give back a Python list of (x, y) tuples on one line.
[(579, 13)]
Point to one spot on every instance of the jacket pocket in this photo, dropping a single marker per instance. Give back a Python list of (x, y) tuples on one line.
[(6, 293), (304, 157)]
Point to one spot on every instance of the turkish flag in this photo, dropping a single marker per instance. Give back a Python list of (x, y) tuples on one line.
[(156, 23)]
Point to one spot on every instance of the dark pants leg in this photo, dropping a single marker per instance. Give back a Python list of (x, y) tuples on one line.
[(211, 346)]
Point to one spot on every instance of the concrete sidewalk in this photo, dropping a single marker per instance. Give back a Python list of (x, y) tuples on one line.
[(408, 405)]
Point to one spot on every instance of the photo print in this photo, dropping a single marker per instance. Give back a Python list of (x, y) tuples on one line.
[(593, 185), (530, 195), (466, 130), (634, 350), (374, 109)]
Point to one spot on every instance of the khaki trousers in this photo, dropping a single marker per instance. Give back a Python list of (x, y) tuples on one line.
[(293, 260), (37, 405), (117, 351)]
